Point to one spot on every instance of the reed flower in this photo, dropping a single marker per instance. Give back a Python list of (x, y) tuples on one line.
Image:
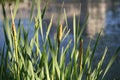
[(14, 36), (59, 38), (60, 33), (81, 53), (15, 41), (13, 24)]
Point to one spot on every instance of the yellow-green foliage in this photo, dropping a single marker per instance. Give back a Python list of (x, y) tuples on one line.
[(25, 59)]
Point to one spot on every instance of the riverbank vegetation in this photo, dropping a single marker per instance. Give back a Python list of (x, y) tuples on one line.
[(22, 58)]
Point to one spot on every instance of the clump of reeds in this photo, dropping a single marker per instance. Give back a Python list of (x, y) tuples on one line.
[(40, 62)]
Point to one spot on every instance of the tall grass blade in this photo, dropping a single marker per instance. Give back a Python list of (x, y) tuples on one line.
[(57, 68), (44, 10), (95, 46), (100, 64), (74, 35), (66, 34), (74, 30), (48, 30), (74, 48), (40, 19), (63, 55), (3, 9), (68, 71), (83, 28), (19, 32), (87, 55), (65, 18), (16, 8), (50, 43), (32, 9), (47, 71), (111, 61)]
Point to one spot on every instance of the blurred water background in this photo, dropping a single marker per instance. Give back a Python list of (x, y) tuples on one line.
[(102, 14)]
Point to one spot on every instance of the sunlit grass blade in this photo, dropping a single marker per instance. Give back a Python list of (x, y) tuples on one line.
[(65, 18), (87, 55), (40, 19), (47, 71), (64, 29), (66, 34), (57, 69), (50, 43), (63, 55), (16, 8), (38, 49), (48, 30), (45, 62), (83, 28), (100, 64), (74, 30), (68, 71), (74, 35), (74, 54), (19, 31)]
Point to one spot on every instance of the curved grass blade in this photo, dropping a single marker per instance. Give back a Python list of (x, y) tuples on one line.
[(83, 28), (63, 55), (111, 62), (66, 34), (44, 10), (93, 52), (65, 18), (101, 63), (48, 30)]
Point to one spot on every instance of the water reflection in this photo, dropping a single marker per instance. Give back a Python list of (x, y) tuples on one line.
[(104, 13), (99, 13)]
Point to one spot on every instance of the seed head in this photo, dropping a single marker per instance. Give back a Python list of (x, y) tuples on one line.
[(81, 53), (60, 33), (14, 35), (13, 23)]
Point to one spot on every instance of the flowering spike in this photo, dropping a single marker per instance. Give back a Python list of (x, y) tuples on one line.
[(81, 53), (60, 33)]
